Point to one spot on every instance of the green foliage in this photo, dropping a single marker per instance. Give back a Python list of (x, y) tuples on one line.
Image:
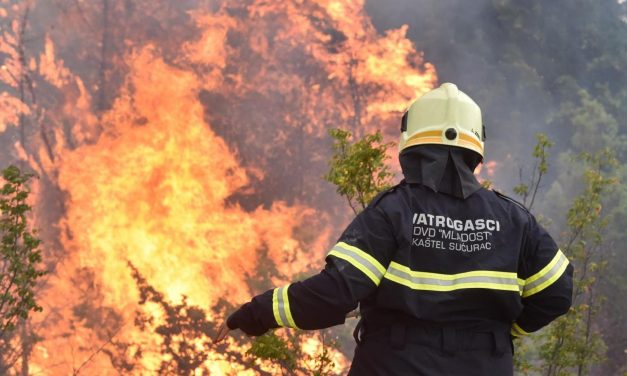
[(590, 121), (573, 343), (487, 184), (357, 168), (524, 356), (19, 251), (522, 190), (541, 167), (275, 349), (286, 353), (323, 364)]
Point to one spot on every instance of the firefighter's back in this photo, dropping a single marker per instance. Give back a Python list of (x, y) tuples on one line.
[(453, 288)]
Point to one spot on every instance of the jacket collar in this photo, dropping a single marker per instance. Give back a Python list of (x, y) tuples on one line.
[(443, 169)]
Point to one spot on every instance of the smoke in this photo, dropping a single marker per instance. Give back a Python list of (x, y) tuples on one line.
[(513, 60), (187, 139)]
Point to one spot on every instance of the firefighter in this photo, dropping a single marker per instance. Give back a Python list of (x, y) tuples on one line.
[(445, 272)]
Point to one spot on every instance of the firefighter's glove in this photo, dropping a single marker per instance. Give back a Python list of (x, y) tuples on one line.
[(245, 320)]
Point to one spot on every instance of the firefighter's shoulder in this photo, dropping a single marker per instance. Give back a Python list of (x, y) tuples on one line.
[(377, 199), (503, 196)]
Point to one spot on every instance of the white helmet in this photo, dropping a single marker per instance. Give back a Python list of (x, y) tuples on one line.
[(443, 116)]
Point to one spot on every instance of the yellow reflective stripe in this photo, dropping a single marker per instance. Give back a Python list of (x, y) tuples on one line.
[(546, 269), (281, 307), (358, 265), (458, 286), (451, 277), (424, 140), (436, 137), (517, 331), (275, 307), (545, 277), (426, 134), (288, 312), (359, 259), (521, 285), (363, 254), (488, 279), (471, 140)]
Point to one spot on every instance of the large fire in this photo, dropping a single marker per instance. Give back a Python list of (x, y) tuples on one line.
[(200, 174)]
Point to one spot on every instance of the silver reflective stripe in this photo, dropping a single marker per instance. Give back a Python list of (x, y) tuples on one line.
[(545, 278), (281, 308), (418, 282), (359, 259), (281, 305)]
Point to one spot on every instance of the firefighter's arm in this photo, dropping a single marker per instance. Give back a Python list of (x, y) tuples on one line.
[(546, 285), (317, 302), (355, 266)]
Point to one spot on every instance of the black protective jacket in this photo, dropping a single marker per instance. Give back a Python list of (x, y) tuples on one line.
[(428, 270)]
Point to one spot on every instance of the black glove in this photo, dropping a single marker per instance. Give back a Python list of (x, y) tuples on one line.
[(245, 320)]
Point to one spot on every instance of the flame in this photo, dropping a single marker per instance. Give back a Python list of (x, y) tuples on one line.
[(52, 69), (486, 170), (154, 181), (10, 110), (153, 193)]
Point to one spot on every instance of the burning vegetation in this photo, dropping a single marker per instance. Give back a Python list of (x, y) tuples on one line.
[(180, 148)]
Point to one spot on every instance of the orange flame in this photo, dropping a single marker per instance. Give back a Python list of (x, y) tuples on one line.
[(151, 181)]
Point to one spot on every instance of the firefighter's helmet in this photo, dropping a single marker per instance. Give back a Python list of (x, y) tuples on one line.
[(444, 116)]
